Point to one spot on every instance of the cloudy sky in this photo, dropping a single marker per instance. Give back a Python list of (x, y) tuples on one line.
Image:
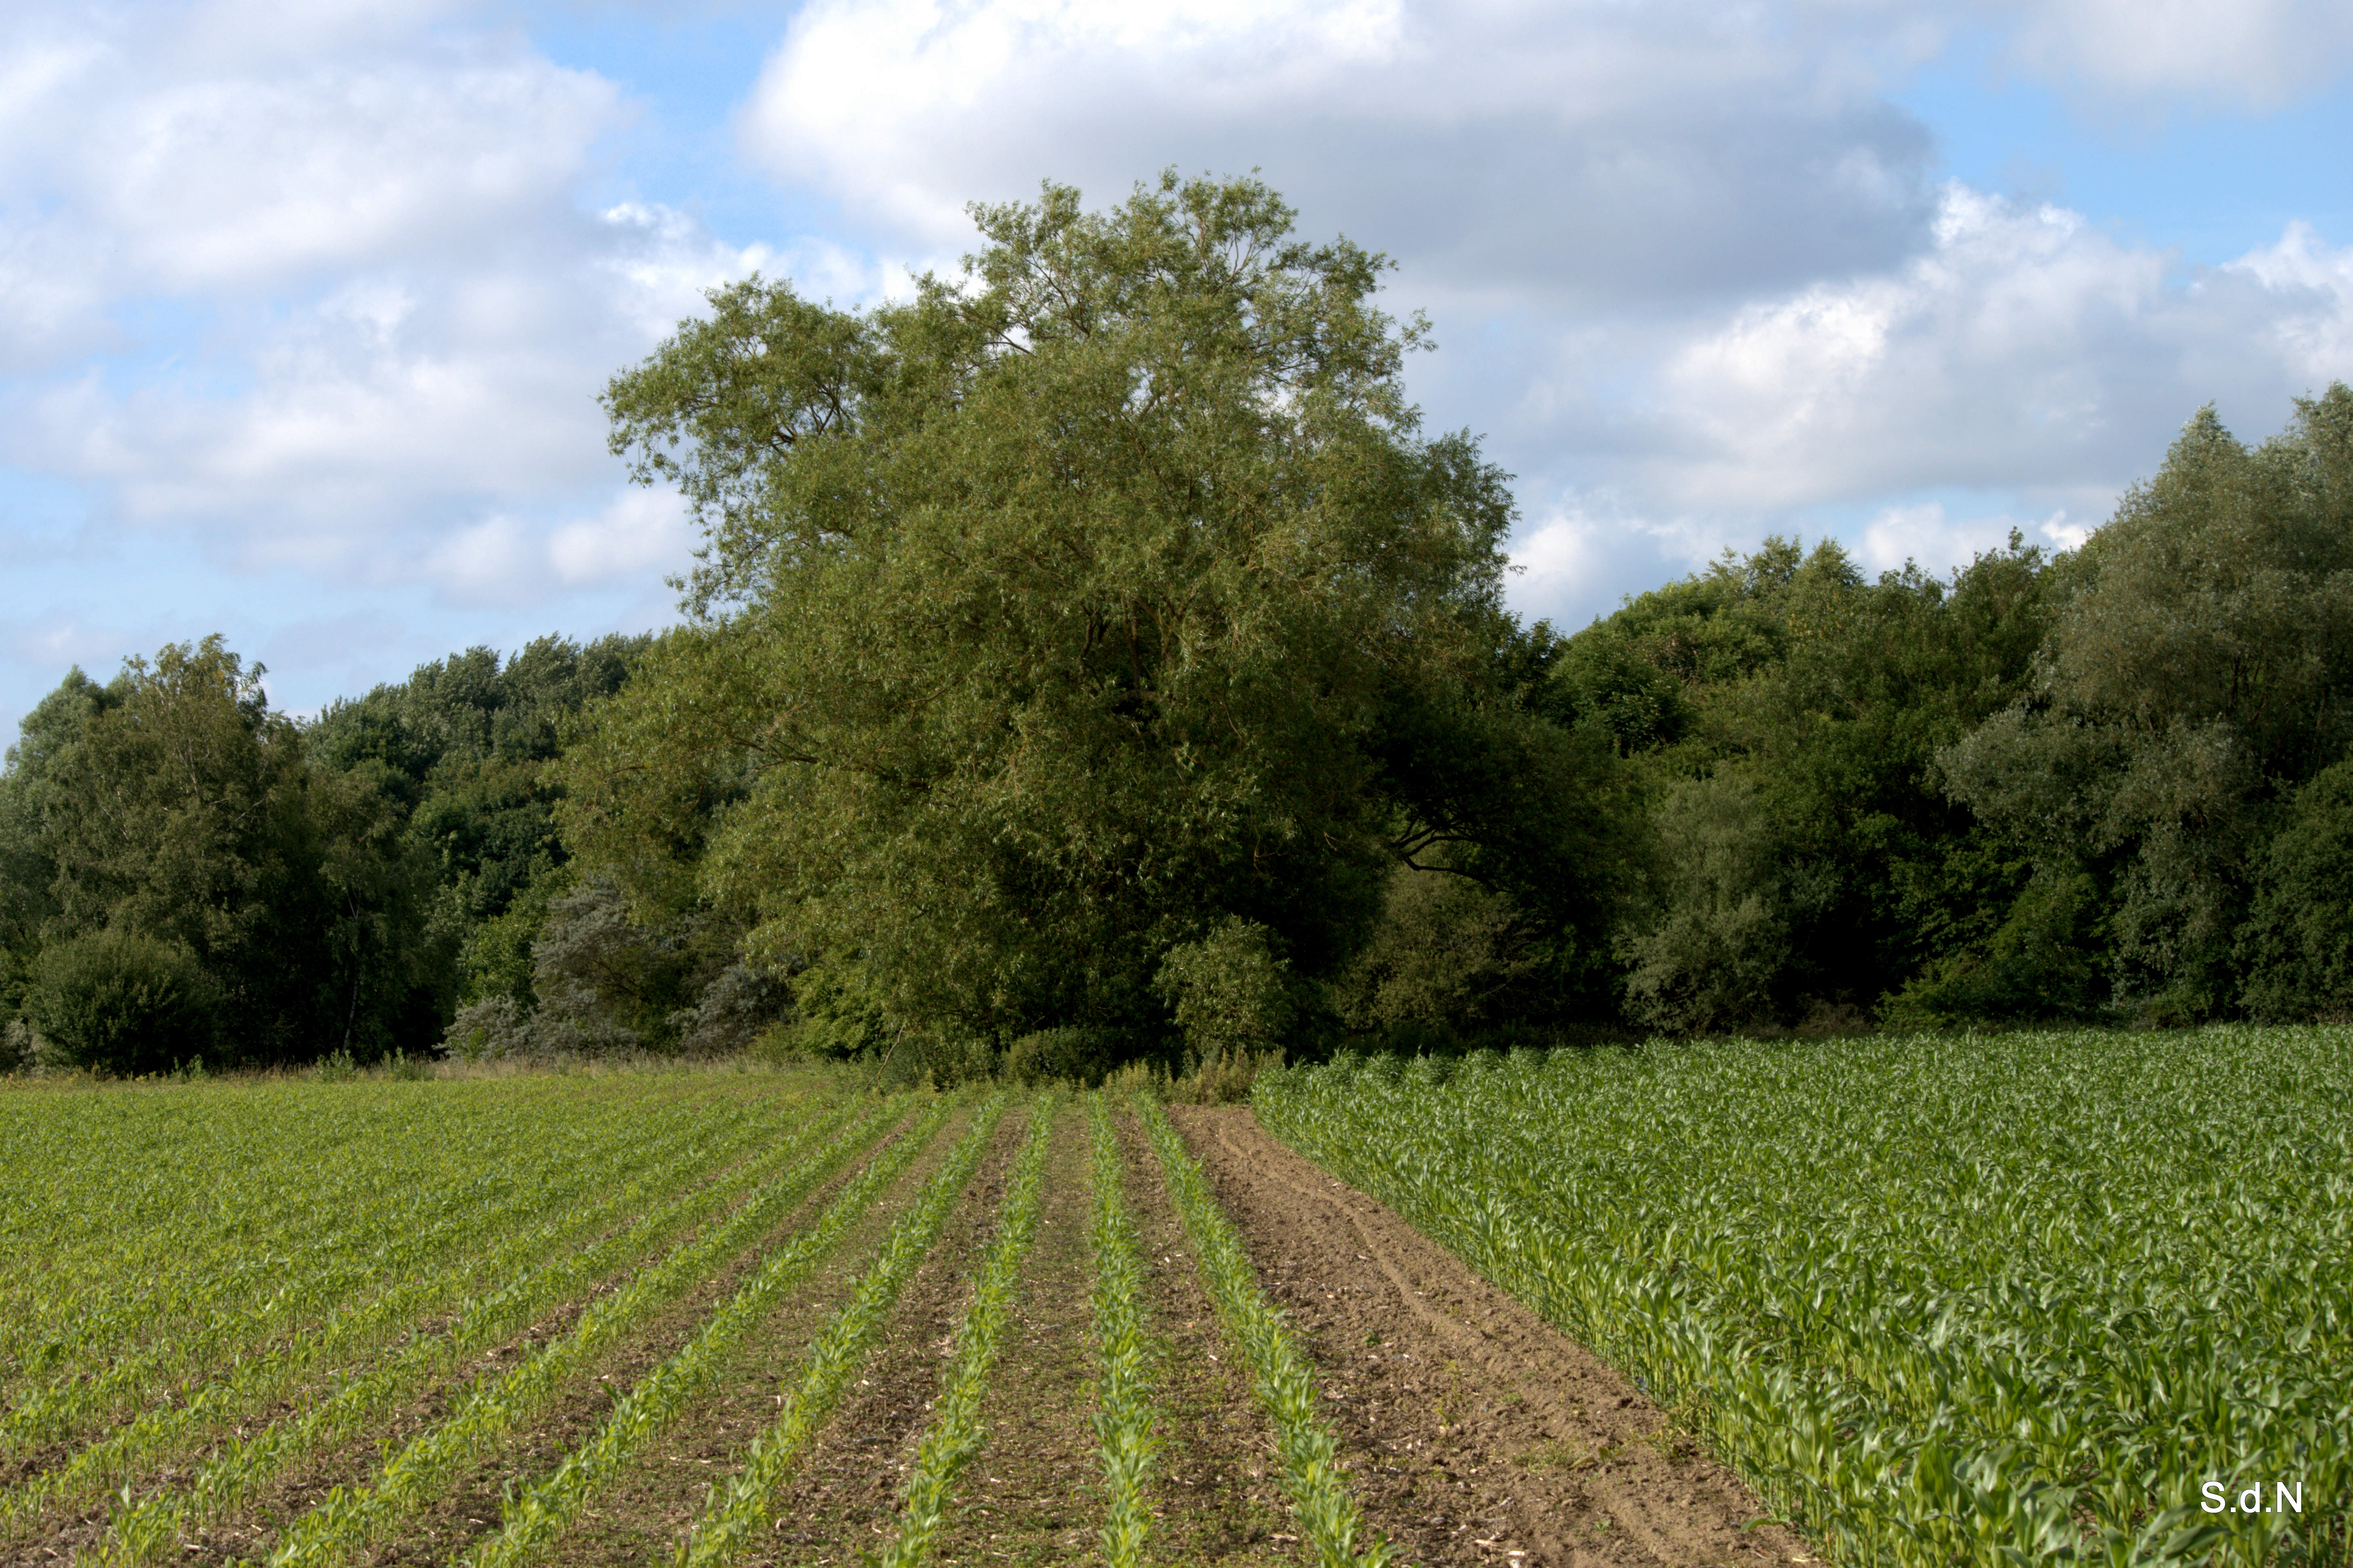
[(304, 304)]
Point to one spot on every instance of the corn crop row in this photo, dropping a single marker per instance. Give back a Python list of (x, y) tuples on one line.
[(350, 1517), (423, 1286), (739, 1512), (1280, 1376), (539, 1514), (2035, 1297), (150, 1526), (186, 1258), (954, 1433), (1124, 1411)]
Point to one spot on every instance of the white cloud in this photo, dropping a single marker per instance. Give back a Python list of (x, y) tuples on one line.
[(641, 534), (1925, 534), (2025, 348), (395, 407), (1519, 151)]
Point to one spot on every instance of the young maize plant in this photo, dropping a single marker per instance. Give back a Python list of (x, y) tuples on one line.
[(954, 1433), (256, 1380), (1280, 1376), (352, 1516), (195, 1276), (742, 1510), (1123, 1413), (2068, 1298), (474, 1323), (535, 1518)]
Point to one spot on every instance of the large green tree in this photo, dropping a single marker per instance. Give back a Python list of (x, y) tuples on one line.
[(1103, 604)]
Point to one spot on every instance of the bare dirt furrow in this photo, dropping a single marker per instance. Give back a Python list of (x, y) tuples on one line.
[(1217, 1502), (1476, 1433), (1033, 1494), (844, 1495)]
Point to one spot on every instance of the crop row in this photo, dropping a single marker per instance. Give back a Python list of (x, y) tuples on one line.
[(587, 1252), (1124, 1416), (1972, 1301), (137, 1218), (1281, 1377), (542, 1511), (954, 1433), (533, 1272), (739, 1511), (323, 1320), (351, 1517), (143, 1532)]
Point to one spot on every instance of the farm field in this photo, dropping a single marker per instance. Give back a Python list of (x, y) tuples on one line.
[(1938, 1300), (2034, 1298), (711, 1318)]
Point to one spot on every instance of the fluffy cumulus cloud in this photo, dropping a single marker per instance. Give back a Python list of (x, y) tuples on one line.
[(2026, 360), (1589, 151), (312, 285), (2026, 347)]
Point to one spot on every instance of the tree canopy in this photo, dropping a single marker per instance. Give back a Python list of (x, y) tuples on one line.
[(1097, 598)]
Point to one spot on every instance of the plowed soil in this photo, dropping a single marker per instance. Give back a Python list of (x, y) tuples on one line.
[(1473, 1431)]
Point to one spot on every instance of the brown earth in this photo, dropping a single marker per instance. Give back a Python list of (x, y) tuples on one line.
[(842, 1500), (1472, 1430)]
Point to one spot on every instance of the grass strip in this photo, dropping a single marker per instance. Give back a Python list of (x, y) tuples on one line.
[(1280, 1376), (533, 1520), (1124, 1411), (251, 1382), (954, 1433), (350, 1517), (740, 1512)]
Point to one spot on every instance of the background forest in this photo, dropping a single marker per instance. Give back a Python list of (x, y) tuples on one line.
[(1093, 660)]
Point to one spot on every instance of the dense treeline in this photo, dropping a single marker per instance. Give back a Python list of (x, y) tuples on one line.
[(1093, 657)]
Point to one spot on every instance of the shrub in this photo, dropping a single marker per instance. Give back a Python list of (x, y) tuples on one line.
[(1078, 1055), (120, 1002), (1229, 991)]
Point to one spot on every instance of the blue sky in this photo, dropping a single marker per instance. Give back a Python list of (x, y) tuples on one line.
[(304, 306)]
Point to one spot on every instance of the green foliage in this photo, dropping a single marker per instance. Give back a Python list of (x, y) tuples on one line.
[(1098, 597), (2298, 943), (1719, 948), (120, 1002), (1072, 1053), (1450, 953), (2041, 965), (2194, 677), (1226, 992), (1941, 1300), (173, 805), (1782, 716)]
